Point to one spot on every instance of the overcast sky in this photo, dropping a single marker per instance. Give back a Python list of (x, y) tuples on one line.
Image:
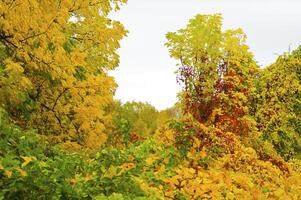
[(146, 72)]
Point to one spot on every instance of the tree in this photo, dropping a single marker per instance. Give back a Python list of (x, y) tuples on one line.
[(217, 71), (279, 109), (55, 56), (132, 121)]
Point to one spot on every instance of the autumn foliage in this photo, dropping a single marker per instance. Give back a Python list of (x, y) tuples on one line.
[(216, 69), (54, 62), (234, 134)]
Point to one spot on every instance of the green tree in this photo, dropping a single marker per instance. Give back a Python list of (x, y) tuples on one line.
[(131, 121)]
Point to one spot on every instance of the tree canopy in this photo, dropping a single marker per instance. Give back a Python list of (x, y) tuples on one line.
[(217, 70), (279, 108), (234, 134), (55, 56)]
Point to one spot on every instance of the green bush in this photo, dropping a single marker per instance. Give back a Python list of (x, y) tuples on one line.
[(29, 169)]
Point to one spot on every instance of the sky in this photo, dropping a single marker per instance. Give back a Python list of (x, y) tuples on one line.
[(147, 73)]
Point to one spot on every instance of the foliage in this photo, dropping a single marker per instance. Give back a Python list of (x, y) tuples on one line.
[(54, 61), (217, 71), (223, 155), (213, 169), (30, 169), (56, 105), (279, 108), (132, 121), (169, 114)]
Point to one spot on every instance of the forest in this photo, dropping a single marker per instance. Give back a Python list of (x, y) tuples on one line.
[(235, 132)]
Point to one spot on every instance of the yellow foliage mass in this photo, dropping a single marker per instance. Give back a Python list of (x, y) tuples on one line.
[(239, 172), (56, 68), (164, 135)]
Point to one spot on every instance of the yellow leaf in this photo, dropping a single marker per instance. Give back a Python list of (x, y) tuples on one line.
[(89, 177), (150, 160), (27, 160), (111, 172), (188, 173), (22, 172), (127, 166), (8, 173), (203, 153)]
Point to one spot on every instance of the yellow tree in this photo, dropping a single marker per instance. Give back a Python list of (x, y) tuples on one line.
[(55, 56), (218, 74), (217, 71), (279, 109), (169, 114)]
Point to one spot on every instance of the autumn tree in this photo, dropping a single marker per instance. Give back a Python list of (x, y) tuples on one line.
[(132, 121), (55, 56), (279, 108), (216, 69)]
